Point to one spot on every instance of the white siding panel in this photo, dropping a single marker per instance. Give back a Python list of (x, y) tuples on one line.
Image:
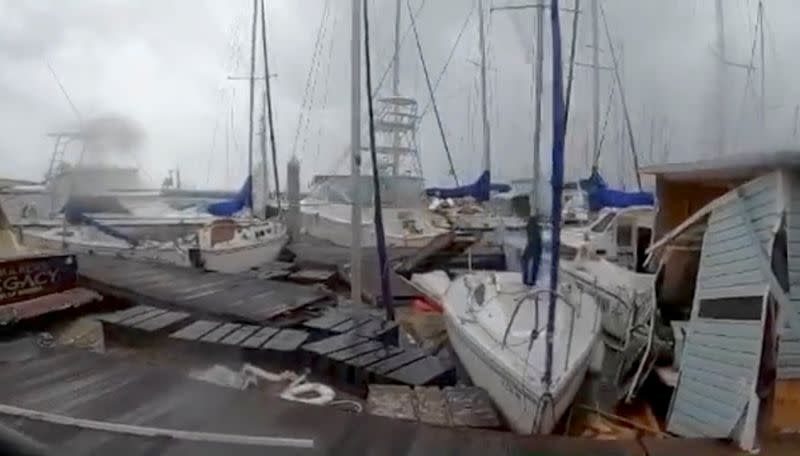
[(721, 357)]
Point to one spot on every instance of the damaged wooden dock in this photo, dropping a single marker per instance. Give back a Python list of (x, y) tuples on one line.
[(360, 354), (75, 385), (241, 297)]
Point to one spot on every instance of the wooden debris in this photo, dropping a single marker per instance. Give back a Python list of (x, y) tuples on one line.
[(391, 401)]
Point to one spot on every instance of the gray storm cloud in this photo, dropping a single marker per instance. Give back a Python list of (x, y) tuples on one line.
[(165, 66)]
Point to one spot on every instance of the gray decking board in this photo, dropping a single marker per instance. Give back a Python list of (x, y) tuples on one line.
[(162, 321), (375, 328), (221, 331), (421, 372), (352, 323), (286, 340), (141, 317), (236, 337), (259, 338), (240, 297), (125, 314), (327, 320), (196, 330), (408, 356), (333, 344), (356, 350), (375, 356)]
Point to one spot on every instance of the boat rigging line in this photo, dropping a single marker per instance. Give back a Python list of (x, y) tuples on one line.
[(268, 102), (397, 49), (380, 237), (427, 107), (431, 93), (596, 156), (311, 78), (571, 61), (622, 99)]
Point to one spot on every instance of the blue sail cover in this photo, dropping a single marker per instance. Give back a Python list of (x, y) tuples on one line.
[(480, 189), (600, 195), (229, 207)]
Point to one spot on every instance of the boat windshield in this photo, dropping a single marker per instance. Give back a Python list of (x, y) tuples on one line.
[(396, 191)]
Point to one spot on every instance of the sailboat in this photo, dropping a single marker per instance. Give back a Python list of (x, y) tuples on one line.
[(327, 212), (527, 345), (238, 244), (237, 240)]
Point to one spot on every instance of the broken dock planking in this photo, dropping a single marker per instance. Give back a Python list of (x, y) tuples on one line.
[(241, 296), (357, 356)]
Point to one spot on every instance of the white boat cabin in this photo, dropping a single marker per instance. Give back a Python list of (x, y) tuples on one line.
[(619, 235)]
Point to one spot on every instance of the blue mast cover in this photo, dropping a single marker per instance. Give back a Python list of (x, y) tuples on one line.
[(229, 207), (600, 195), (480, 189)]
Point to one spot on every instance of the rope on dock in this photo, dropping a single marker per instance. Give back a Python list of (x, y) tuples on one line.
[(145, 431)]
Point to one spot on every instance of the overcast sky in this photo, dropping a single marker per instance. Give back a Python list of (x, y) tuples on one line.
[(164, 65)]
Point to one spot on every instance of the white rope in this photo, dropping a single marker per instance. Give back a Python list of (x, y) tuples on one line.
[(145, 431)]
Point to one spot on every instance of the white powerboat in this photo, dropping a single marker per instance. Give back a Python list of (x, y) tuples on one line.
[(407, 223)]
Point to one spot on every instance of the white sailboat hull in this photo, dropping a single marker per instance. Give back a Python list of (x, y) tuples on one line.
[(511, 371), (518, 407), (242, 258)]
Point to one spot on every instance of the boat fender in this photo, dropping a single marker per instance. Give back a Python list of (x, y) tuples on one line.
[(296, 393)]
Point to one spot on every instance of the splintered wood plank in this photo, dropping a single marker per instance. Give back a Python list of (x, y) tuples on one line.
[(396, 362), (259, 338), (332, 344), (125, 314), (432, 406), (196, 330), (220, 332), (421, 372), (142, 317), (239, 335), (286, 340), (374, 357), (391, 401), (470, 406), (162, 321)]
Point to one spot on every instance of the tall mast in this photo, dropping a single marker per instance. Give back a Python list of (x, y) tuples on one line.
[(487, 161), (269, 116), (721, 82), (396, 86), (252, 99), (355, 144), (595, 79), (537, 113), (262, 126), (763, 65)]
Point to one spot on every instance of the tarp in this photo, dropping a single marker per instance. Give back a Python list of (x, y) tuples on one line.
[(600, 195), (229, 207), (480, 190)]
